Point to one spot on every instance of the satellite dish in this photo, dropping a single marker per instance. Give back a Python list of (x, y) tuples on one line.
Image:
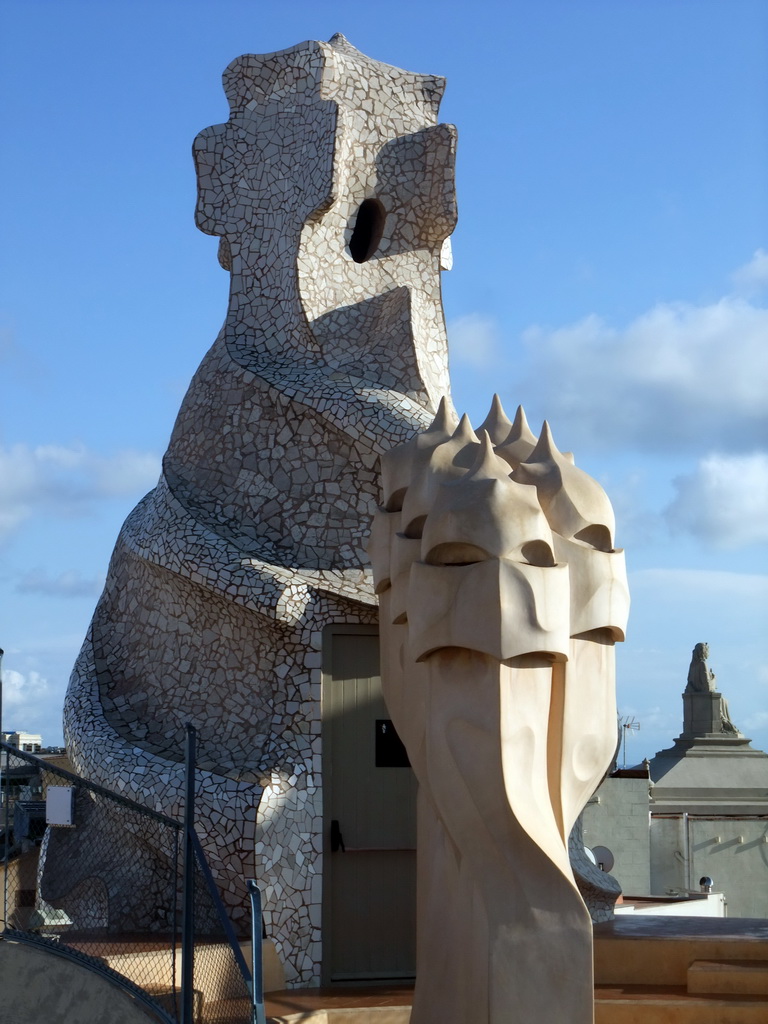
[(603, 857)]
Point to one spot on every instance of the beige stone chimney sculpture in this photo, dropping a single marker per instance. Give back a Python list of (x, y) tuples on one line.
[(501, 597)]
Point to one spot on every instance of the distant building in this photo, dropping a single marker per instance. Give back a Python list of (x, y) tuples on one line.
[(617, 819), (698, 809), (29, 742)]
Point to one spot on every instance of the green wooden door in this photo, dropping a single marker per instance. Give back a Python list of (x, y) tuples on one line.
[(369, 872)]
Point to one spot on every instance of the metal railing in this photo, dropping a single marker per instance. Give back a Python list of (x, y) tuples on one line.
[(106, 887)]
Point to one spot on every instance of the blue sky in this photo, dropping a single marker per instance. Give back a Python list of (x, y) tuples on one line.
[(610, 273)]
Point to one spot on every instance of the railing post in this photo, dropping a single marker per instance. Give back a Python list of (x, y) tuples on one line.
[(4, 771), (188, 895), (2, 652), (4, 780), (257, 931)]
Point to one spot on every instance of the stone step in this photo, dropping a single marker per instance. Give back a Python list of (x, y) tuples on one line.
[(645, 1007), (378, 1004), (739, 977), (624, 1004), (350, 1015), (639, 1004), (658, 951)]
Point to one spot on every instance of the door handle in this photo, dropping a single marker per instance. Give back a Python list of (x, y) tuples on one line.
[(337, 839)]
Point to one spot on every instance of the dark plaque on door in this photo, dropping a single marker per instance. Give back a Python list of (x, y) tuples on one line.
[(390, 752)]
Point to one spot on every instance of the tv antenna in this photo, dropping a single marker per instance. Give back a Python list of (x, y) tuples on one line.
[(628, 724)]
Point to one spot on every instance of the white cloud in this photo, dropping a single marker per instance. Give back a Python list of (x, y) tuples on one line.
[(473, 340), (28, 701), (680, 585), (725, 501), (67, 584), (677, 375), (125, 473), (757, 720), (638, 523), (66, 481), (752, 278), (36, 669)]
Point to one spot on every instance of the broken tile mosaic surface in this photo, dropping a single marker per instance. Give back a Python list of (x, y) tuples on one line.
[(331, 190)]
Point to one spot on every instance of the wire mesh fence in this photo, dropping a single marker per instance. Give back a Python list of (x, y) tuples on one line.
[(103, 885)]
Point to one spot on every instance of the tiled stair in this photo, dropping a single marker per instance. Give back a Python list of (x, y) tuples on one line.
[(641, 1004), (729, 977), (681, 971), (649, 970)]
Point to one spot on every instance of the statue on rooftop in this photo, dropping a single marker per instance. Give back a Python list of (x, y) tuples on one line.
[(716, 717), (701, 678)]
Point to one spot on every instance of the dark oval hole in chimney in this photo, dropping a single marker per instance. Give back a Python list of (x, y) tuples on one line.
[(369, 227)]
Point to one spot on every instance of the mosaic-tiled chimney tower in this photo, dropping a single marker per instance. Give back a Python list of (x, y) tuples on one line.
[(331, 189)]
